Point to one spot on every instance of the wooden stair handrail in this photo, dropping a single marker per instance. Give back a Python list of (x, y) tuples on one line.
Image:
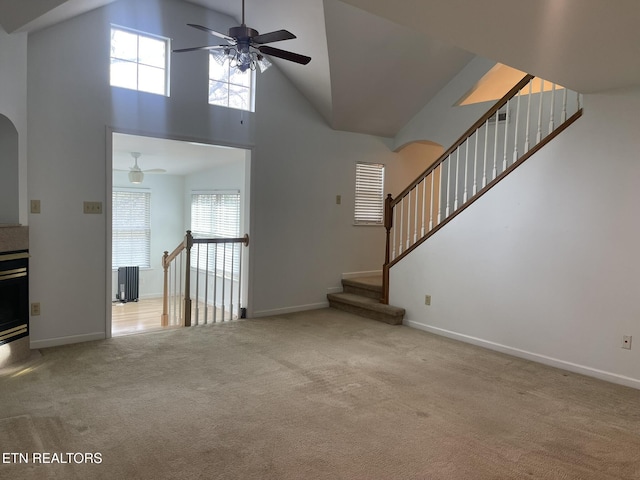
[(390, 202), (499, 104), (167, 258)]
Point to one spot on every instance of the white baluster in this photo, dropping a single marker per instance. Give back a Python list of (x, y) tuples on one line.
[(408, 197), (564, 106), (446, 215), (526, 139), (539, 134), (475, 164), (495, 148), (506, 137), (578, 100), (553, 106), (424, 200), (415, 222), (484, 164), (401, 230), (433, 172), (515, 135), (466, 171), (440, 192), (455, 199), (394, 215)]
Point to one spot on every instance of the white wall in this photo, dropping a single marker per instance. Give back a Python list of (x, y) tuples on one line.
[(545, 265), (13, 105), (301, 241), (167, 220)]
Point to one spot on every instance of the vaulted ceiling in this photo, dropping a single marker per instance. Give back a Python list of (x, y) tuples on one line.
[(376, 63)]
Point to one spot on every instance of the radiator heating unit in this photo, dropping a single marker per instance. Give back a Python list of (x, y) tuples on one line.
[(128, 281)]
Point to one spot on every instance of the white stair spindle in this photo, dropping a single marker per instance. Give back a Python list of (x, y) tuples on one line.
[(440, 192), (415, 222), (401, 230), (539, 134), (515, 134), (553, 106), (495, 149), (446, 214), (506, 136), (526, 137), (393, 247), (408, 197), (424, 205), (455, 199), (564, 106), (484, 164), (466, 172), (433, 172), (475, 164)]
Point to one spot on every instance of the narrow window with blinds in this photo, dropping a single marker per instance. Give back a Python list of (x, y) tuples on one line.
[(131, 228), (215, 215), (369, 209)]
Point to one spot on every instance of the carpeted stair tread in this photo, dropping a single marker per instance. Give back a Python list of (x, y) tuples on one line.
[(366, 307)]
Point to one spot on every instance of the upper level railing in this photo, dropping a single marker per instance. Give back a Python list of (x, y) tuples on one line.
[(529, 116), (207, 271)]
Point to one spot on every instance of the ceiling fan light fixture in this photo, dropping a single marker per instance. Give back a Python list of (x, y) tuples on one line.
[(136, 176), (262, 62)]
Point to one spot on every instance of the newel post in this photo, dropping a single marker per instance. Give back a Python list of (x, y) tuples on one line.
[(188, 243), (164, 320), (388, 224)]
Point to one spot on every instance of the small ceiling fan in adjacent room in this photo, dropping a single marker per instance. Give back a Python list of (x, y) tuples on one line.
[(136, 174), (246, 47)]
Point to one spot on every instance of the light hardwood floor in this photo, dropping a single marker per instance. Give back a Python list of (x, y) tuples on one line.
[(136, 317), (144, 316)]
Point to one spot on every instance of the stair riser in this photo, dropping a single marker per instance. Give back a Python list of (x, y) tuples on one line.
[(363, 292), (363, 312)]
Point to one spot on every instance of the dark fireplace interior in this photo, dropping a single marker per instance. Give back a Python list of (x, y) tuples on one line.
[(14, 296)]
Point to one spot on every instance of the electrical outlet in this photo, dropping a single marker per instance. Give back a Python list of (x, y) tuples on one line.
[(338, 199), (35, 309), (35, 206), (92, 207), (427, 299), (626, 342)]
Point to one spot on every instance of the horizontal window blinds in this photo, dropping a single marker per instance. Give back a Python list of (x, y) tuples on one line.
[(369, 208), (131, 228), (215, 215)]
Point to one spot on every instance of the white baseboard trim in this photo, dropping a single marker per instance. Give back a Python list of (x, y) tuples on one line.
[(369, 273), (296, 308), (56, 342), (535, 357)]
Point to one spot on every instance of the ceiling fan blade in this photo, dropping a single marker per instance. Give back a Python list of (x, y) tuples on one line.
[(292, 57), (276, 36), (155, 170), (206, 47), (213, 32)]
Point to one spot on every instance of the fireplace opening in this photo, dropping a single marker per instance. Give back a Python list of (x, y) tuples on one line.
[(14, 296)]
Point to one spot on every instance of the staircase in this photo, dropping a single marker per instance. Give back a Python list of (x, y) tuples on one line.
[(362, 296)]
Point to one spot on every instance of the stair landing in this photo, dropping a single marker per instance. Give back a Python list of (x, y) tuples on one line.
[(361, 296)]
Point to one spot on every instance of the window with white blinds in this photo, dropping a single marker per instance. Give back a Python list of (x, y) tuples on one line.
[(369, 208), (131, 228), (215, 215)]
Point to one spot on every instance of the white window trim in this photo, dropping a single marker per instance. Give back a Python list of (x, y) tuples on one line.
[(369, 187), (252, 89), (167, 58)]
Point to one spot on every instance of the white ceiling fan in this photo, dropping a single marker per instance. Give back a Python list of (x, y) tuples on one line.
[(136, 174)]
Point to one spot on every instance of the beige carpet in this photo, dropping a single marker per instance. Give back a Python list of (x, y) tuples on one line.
[(314, 395)]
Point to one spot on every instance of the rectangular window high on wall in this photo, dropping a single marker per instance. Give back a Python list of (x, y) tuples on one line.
[(228, 86), (131, 228), (139, 61), (369, 207), (216, 214)]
